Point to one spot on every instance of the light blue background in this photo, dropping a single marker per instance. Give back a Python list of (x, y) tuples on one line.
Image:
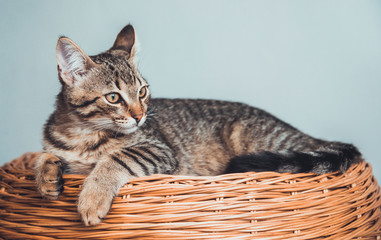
[(314, 64)]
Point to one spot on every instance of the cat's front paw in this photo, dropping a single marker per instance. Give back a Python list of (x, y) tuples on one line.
[(49, 176), (94, 205)]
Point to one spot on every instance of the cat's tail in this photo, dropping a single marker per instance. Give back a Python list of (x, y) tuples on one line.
[(331, 158)]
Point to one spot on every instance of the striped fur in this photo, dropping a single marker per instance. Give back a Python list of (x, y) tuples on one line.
[(136, 136)]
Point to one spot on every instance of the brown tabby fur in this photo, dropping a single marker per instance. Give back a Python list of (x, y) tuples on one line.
[(113, 143)]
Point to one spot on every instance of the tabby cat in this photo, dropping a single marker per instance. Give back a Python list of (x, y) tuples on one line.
[(105, 125)]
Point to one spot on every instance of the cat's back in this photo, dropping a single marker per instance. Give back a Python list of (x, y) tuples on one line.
[(200, 109), (198, 117)]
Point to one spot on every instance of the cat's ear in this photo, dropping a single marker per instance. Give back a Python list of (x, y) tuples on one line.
[(126, 41), (73, 64)]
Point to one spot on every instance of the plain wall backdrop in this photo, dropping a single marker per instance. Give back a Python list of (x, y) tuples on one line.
[(314, 64)]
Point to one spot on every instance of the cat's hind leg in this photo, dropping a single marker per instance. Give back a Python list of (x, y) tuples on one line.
[(49, 169)]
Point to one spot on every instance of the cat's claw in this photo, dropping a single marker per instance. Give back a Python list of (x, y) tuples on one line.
[(49, 176)]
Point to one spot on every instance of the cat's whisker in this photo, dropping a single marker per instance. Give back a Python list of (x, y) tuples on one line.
[(117, 131), (151, 111), (99, 124), (101, 127), (150, 116)]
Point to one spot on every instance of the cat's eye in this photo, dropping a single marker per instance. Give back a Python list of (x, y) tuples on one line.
[(143, 92), (113, 97)]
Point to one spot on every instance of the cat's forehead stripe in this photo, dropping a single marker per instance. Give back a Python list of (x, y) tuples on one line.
[(121, 68), (136, 78), (117, 83)]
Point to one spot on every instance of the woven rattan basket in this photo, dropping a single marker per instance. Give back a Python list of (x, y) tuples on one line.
[(236, 206)]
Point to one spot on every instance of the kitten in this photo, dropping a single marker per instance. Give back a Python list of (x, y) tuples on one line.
[(102, 126)]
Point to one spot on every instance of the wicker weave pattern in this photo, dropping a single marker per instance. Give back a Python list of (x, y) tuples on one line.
[(235, 206)]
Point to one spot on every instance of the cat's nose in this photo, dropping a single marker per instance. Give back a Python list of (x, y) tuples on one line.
[(138, 117), (136, 113)]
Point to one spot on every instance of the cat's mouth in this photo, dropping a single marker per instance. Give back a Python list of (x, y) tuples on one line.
[(129, 125), (119, 125)]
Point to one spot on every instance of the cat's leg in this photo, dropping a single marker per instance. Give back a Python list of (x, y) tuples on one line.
[(111, 173), (49, 169), (99, 189)]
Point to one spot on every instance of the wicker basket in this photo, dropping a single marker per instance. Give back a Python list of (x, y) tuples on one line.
[(264, 205)]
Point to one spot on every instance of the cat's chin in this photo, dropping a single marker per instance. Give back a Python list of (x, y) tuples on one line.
[(122, 131), (129, 130)]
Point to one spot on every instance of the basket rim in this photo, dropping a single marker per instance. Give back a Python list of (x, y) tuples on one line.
[(24, 165), (230, 206)]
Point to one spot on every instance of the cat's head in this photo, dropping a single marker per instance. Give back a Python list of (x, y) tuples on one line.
[(106, 91)]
